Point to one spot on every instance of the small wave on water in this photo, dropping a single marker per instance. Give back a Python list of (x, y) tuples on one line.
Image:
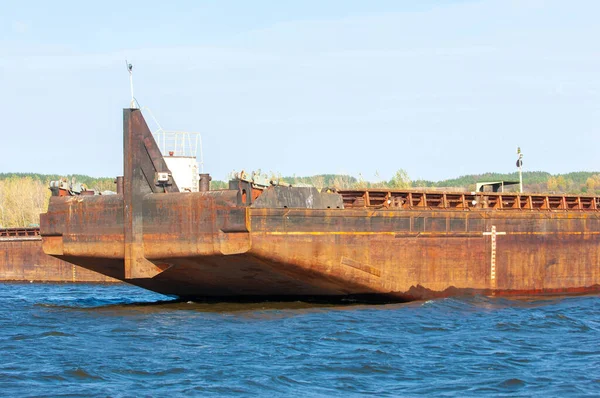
[(118, 340), (82, 374)]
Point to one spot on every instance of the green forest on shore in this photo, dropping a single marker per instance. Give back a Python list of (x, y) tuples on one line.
[(23, 196)]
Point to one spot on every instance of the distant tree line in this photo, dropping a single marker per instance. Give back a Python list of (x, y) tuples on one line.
[(22, 199), (99, 184), (579, 182), (343, 181), (23, 196)]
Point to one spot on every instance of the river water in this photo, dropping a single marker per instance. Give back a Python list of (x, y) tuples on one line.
[(118, 340)]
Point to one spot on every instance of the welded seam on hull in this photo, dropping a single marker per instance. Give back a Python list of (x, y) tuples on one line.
[(463, 234), (361, 267), (366, 233)]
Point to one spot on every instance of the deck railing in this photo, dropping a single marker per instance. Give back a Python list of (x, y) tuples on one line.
[(13, 232), (466, 201)]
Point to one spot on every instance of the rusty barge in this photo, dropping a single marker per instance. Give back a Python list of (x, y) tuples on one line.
[(23, 260), (258, 241)]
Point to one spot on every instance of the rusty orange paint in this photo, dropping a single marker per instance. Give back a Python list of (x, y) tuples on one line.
[(22, 259), (402, 254), (390, 244)]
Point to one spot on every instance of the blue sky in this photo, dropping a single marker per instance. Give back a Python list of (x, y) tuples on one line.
[(438, 88)]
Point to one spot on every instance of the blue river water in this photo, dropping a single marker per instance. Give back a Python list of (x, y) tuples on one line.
[(118, 340)]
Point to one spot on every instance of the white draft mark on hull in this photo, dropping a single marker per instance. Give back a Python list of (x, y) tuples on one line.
[(493, 234)]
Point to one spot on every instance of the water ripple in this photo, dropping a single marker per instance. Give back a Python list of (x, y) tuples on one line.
[(107, 340)]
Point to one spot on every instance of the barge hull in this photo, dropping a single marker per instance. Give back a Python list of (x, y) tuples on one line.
[(398, 254), (22, 259), (252, 241)]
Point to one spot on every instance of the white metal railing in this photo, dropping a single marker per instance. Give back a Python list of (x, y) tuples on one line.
[(179, 143)]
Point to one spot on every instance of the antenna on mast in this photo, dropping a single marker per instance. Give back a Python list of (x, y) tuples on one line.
[(130, 70)]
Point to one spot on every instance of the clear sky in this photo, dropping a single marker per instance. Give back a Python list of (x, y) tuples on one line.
[(438, 88)]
